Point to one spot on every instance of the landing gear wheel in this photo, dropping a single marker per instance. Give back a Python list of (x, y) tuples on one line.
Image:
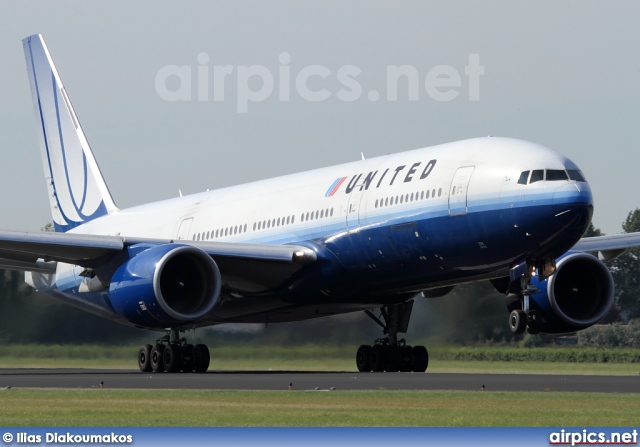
[(363, 358), (393, 359), (420, 359), (377, 357), (406, 358), (187, 358), (517, 321), (534, 323), (171, 358), (157, 365), (144, 358), (201, 358)]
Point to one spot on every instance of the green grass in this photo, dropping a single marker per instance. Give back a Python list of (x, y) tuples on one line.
[(109, 407), (314, 358), (141, 408)]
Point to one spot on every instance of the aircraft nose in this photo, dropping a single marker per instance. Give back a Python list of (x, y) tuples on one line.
[(573, 205), (572, 194)]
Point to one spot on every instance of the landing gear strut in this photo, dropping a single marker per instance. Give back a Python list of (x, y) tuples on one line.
[(521, 316), (390, 354), (173, 354)]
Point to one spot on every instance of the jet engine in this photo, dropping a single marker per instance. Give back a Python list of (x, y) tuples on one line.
[(164, 286), (576, 296)]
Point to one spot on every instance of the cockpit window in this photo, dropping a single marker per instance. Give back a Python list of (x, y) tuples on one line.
[(523, 178), (537, 175), (576, 175), (556, 174)]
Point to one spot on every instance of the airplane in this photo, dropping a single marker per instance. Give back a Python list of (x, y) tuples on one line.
[(368, 236)]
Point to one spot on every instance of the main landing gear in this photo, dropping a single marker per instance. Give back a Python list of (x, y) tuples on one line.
[(173, 354), (390, 354)]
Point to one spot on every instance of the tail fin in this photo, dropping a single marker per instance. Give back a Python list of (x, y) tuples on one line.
[(77, 191)]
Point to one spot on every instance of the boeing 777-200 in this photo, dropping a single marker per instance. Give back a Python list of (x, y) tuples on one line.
[(372, 234)]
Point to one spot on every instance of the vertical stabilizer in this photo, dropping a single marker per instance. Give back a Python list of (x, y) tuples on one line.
[(77, 191)]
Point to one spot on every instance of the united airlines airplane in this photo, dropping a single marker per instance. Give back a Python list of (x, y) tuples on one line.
[(369, 236)]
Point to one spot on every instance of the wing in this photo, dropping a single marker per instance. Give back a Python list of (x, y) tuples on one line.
[(609, 247), (244, 267)]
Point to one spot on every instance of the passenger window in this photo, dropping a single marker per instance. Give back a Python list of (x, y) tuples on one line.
[(556, 174), (523, 178), (536, 176), (576, 175), (439, 192)]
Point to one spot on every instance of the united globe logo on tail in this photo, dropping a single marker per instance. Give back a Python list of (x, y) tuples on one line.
[(77, 191)]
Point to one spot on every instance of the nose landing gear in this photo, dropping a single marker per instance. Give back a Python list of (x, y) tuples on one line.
[(522, 317)]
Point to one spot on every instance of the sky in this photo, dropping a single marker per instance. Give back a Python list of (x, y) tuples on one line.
[(562, 74)]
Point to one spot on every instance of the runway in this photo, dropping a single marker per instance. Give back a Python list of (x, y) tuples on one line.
[(280, 380)]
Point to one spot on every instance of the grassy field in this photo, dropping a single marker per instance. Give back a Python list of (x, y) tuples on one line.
[(110, 407), (300, 358), (319, 409)]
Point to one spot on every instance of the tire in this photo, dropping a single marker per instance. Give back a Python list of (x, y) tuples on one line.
[(406, 358), (377, 357), (393, 359), (144, 358), (187, 358), (171, 358), (201, 358), (363, 358), (157, 365), (517, 321), (534, 323), (420, 359)]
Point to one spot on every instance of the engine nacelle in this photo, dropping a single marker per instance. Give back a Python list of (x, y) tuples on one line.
[(165, 286), (576, 296)]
